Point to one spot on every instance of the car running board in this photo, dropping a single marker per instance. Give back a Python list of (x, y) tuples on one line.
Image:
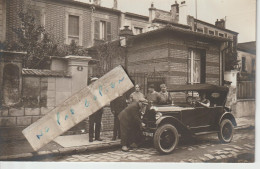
[(206, 132)]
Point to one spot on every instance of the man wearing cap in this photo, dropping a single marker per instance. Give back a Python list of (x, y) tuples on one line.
[(152, 96), (165, 97), (95, 120), (131, 123)]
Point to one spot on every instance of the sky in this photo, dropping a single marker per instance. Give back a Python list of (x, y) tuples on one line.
[(240, 14)]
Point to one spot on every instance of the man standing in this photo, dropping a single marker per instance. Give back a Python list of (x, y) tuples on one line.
[(152, 96), (130, 121), (95, 120), (165, 97), (117, 106)]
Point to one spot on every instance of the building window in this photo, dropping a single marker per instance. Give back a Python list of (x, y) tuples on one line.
[(103, 30), (216, 32), (253, 65), (221, 34), (200, 30), (74, 26), (211, 32), (73, 29), (138, 30), (205, 30), (243, 64), (196, 66)]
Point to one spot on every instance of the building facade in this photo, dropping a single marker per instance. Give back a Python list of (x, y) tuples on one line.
[(86, 24), (247, 58)]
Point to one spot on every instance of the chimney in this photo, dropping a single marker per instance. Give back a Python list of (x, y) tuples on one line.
[(175, 12), (220, 23), (151, 13), (183, 13), (126, 32), (115, 4)]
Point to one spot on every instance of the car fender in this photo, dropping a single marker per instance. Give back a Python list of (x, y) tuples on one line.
[(228, 115), (174, 121)]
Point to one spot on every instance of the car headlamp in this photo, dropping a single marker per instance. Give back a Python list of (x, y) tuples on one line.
[(154, 108), (158, 115)]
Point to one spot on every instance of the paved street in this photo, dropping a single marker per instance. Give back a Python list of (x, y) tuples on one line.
[(203, 148)]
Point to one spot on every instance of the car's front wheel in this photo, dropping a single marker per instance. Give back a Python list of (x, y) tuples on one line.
[(166, 138), (226, 132)]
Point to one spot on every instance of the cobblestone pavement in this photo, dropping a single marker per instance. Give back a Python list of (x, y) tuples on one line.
[(202, 149)]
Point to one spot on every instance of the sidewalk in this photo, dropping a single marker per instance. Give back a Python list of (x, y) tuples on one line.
[(17, 148)]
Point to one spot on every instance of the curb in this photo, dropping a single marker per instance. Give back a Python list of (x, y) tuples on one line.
[(60, 152), (245, 127)]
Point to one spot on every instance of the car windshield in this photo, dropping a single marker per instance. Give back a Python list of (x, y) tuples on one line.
[(186, 98)]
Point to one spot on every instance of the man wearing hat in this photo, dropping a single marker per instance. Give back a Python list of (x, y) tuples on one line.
[(95, 120), (131, 123), (165, 97), (152, 96)]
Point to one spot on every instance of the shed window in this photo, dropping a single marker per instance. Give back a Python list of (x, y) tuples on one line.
[(196, 66)]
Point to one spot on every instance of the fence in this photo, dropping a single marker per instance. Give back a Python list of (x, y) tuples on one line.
[(246, 90)]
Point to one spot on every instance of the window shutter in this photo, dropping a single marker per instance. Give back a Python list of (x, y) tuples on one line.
[(96, 30), (109, 36)]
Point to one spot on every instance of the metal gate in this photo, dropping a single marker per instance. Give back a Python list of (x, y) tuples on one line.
[(144, 80)]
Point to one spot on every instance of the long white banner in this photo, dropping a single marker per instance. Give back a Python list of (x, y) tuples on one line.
[(78, 107)]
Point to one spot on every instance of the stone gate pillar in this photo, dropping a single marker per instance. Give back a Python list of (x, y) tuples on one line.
[(78, 69)]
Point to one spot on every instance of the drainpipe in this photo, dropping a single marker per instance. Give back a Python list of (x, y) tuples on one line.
[(92, 25), (223, 64)]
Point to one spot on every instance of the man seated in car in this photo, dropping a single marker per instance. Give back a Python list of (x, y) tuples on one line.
[(203, 101)]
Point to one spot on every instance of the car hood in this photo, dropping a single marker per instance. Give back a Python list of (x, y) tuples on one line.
[(170, 108)]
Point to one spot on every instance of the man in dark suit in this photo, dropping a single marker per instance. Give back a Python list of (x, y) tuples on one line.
[(131, 123), (117, 106), (95, 120)]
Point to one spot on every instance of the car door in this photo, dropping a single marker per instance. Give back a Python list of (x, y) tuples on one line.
[(199, 119)]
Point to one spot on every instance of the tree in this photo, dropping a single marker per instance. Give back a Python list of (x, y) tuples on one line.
[(34, 39)]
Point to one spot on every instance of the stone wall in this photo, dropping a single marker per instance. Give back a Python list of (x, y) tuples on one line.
[(245, 108), (42, 92), (23, 117)]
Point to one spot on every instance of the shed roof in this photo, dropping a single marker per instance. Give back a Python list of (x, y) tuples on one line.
[(176, 29)]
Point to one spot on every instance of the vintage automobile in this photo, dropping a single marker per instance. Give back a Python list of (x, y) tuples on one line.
[(166, 123)]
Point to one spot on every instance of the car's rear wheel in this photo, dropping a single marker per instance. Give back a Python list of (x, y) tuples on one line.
[(226, 132), (166, 138)]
